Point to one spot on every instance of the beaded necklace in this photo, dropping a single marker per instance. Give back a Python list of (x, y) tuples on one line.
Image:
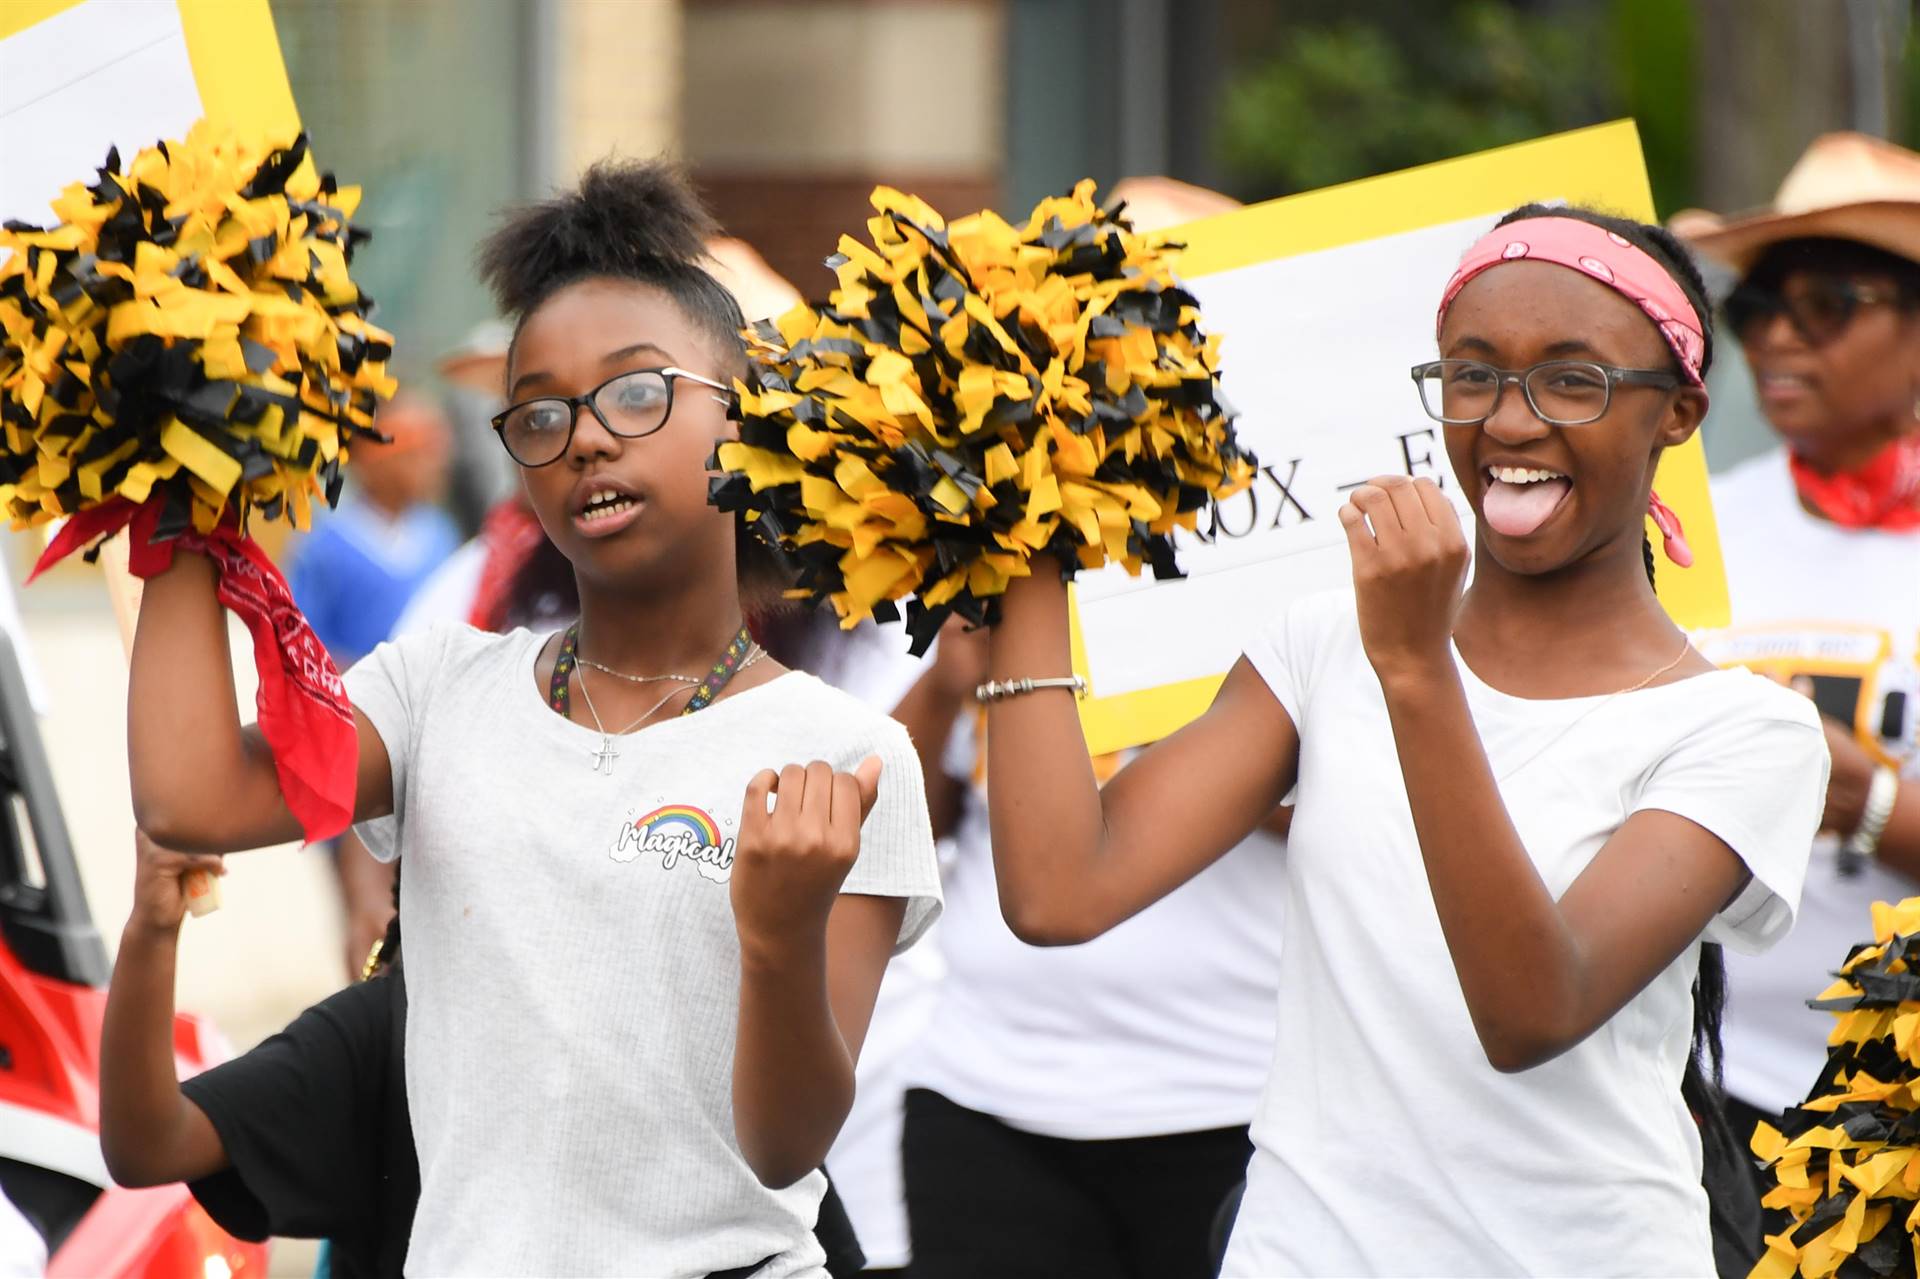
[(740, 653)]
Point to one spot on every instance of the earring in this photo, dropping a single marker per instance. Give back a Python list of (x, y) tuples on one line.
[(1673, 538)]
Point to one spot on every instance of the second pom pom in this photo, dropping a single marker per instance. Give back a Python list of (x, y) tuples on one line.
[(972, 395)]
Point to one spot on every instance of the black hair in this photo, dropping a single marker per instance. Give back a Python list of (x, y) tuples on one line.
[(1836, 257), (542, 587), (640, 221), (1701, 1084), (388, 958), (1656, 242), (627, 220)]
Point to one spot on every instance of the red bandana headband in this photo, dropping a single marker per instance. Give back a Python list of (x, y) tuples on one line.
[(1615, 261), (1602, 255)]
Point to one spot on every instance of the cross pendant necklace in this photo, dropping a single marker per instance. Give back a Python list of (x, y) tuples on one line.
[(604, 757), (741, 653)]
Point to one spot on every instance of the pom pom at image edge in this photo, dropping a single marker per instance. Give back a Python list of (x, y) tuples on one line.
[(217, 59), (233, 68)]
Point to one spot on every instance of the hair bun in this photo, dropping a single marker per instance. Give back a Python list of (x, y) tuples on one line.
[(629, 219)]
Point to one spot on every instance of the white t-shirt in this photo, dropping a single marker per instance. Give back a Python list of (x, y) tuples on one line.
[(572, 967), (1162, 1025), (446, 597), (1385, 1143), (23, 1253), (1843, 607)]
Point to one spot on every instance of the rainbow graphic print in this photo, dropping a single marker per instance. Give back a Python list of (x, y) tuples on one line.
[(677, 833)]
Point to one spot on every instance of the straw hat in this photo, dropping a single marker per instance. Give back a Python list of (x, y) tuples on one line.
[(762, 292), (1847, 186), (1155, 203), (479, 363)]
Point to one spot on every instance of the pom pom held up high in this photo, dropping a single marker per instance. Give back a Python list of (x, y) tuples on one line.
[(186, 331), (974, 394)]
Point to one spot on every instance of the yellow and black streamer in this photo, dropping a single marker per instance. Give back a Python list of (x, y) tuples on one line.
[(1844, 1165), (187, 331), (972, 395)]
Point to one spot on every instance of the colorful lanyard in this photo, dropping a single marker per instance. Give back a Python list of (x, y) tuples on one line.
[(721, 673)]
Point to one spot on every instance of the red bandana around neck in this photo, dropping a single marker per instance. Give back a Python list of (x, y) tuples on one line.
[(1883, 494), (302, 703)]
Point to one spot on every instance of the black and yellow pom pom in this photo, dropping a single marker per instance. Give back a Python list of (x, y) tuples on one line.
[(972, 395), (1845, 1164), (187, 330)]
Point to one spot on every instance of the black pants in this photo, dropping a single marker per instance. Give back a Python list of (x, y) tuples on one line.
[(985, 1199)]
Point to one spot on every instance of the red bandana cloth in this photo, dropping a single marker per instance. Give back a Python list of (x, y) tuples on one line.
[(303, 708), (1883, 494)]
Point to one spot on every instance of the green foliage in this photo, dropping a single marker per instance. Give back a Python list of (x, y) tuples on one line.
[(1355, 98), (1654, 47), (1910, 87)]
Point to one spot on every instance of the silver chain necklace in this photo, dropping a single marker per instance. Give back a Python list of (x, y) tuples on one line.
[(634, 679), (604, 757)]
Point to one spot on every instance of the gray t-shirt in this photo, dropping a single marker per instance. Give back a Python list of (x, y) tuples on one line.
[(572, 965)]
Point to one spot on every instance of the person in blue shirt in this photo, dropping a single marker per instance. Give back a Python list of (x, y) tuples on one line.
[(353, 576), (356, 571)]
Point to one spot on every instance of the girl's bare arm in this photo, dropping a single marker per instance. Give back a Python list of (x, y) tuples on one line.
[(1073, 860), (201, 781), (811, 960), (1539, 975), (150, 1134)]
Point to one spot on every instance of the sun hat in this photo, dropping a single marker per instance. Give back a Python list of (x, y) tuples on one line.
[(1847, 186)]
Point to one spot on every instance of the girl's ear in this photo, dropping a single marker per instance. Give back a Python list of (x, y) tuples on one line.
[(1682, 417)]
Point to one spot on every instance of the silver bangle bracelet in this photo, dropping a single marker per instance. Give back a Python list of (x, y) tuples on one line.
[(1000, 690), (1881, 793)]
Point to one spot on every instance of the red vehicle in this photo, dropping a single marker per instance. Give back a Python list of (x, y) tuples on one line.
[(53, 993)]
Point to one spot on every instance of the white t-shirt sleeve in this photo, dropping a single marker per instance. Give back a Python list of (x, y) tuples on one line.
[(390, 686), (1758, 781), (1290, 651), (896, 842)]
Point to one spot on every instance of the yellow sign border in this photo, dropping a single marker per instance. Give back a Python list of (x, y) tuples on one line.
[(231, 46), (1601, 166)]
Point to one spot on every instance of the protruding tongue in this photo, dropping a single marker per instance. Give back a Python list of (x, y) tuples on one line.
[(1516, 510)]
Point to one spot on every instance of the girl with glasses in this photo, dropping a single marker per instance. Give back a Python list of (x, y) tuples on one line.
[(1821, 536), (1520, 813), (636, 997)]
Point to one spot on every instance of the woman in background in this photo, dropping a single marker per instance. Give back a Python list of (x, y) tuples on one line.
[(1821, 537)]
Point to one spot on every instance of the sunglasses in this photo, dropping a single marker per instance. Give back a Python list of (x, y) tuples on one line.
[(1819, 307)]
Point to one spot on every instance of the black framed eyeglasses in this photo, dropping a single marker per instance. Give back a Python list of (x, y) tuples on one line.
[(1818, 306), (1560, 392), (631, 405)]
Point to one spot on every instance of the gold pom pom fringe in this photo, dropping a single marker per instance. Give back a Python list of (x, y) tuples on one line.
[(1845, 1163), (188, 330), (973, 395)]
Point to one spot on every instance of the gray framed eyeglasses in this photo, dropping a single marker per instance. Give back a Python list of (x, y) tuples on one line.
[(631, 405), (1560, 392)]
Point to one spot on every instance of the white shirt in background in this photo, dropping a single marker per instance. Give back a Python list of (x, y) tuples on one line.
[(572, 964), (1811, 597), (1386, 1144), (871, 663), (1163, 1025), (446, 597), (23, 1253)]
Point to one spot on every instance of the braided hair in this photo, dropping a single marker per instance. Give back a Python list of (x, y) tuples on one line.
[(384, 958), (1702, 1083)]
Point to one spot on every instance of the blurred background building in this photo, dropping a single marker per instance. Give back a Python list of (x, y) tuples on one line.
[(789, 111)]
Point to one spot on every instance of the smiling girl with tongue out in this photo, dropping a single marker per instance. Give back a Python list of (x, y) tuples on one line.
[(1521, 811)]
